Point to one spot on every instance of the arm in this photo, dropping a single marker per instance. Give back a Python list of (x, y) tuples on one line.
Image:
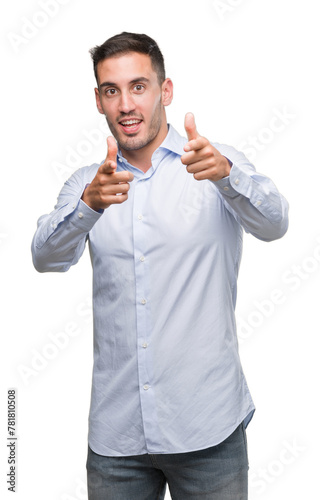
[(252, 198), (61, 236)]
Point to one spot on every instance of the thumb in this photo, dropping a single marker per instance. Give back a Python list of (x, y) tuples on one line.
[(190, 127), (110, 163)]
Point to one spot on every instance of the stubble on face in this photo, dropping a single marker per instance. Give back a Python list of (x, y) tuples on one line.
[(134, 143)]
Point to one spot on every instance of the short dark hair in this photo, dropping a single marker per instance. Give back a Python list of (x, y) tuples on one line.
[(130, 42)]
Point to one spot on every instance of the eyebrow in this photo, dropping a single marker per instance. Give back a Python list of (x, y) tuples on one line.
[(136, 80)]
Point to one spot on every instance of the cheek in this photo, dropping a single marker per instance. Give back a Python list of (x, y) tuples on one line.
[(109, 109), (152, 106)]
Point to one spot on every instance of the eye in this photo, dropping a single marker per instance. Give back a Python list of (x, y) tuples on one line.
[(139, 88), (110, 92)]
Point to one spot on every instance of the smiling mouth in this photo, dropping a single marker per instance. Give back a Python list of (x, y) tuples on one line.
[(130, 126)]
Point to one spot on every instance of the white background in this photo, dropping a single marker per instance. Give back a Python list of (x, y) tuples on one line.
[(236, 65)]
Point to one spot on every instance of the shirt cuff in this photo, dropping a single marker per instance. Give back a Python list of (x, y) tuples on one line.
[(84, 217), (228, 186)]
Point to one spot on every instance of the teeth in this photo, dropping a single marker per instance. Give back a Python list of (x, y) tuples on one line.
[(130, 122)]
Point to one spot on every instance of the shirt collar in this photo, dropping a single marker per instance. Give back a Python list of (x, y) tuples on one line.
[(173, 142)]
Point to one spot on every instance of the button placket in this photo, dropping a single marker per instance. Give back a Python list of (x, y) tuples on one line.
[(142, 279)]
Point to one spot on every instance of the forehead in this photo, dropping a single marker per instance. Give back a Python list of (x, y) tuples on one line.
[(125, 68)]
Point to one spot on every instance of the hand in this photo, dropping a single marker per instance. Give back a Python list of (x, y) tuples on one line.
[(202, 159), (108, 187)]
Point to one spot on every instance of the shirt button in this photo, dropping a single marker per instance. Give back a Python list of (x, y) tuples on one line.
[(140, 217), (236, 182), (80, 215), (120, 160), (226, 188), (146, 387), (142, 258), (258, 203), (143, 302), (145, 345), (54, 225)]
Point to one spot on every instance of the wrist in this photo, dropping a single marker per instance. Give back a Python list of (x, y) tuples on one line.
[(228, 166), (88, 201)]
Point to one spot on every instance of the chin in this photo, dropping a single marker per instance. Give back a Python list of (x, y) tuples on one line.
[(132, 145)]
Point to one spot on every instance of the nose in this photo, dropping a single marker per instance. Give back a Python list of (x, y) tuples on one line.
[(126, 103)]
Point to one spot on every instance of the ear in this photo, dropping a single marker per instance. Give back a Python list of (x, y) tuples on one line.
[(98, 102), (167, 92)]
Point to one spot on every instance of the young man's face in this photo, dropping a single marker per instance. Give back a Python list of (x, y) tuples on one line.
[(133, 101)]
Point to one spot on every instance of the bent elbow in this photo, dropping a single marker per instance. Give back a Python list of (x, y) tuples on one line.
[(273, 231), (44, 264)]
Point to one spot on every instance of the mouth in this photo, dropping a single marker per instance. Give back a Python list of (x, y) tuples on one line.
[(131, 126)]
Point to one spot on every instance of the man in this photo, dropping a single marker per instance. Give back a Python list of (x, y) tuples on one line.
[(163, 217)]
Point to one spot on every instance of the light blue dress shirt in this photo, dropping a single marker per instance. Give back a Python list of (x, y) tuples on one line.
[(167, 377)]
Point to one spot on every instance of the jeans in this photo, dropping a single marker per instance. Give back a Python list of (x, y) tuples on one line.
[(216, 473)]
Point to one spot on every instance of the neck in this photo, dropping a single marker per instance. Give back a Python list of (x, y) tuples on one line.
[(141, 158)]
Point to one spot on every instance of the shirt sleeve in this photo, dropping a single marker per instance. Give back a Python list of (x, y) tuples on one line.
[(252, 198), (60, 237)]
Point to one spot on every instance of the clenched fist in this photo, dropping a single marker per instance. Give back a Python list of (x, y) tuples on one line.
[(202, 159), (108, 186)]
